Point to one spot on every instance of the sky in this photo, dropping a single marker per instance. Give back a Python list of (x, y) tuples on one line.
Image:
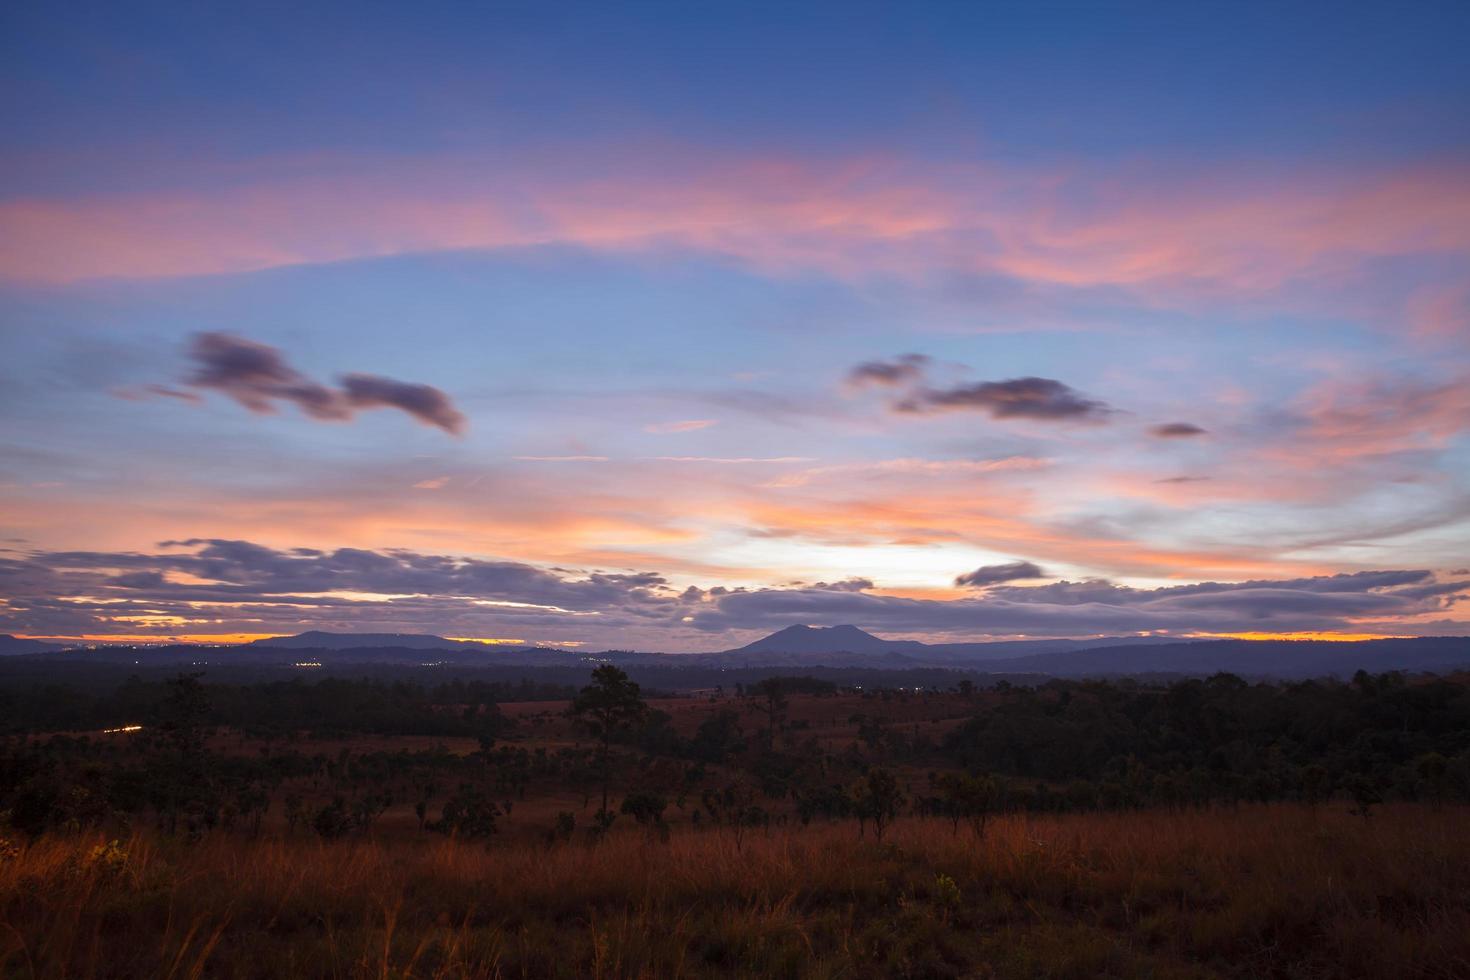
[(664, 326)]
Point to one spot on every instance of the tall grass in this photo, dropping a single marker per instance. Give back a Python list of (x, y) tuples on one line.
[(1274, 891)]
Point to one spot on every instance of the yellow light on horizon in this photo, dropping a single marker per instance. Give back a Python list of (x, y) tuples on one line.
[(1303, 635), (223, 639)]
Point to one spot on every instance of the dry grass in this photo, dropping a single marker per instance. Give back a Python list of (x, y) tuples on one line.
[(1259, 892)]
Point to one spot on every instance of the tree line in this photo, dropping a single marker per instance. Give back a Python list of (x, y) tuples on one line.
[(1063, 745)]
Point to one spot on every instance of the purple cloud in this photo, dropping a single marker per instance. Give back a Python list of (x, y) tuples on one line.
[(987, 575), (1177, 430), (258, 377), (902, 370), (424, 402), (1041, 399)]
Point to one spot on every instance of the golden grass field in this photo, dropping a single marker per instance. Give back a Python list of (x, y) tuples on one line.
[(1262, 891)]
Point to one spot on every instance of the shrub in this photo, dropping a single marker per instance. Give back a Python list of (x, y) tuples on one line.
[(332, 821), (469, 813)]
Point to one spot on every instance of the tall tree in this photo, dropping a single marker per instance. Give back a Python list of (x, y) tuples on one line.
[(876, 797), (773, 693), (182, 780), (609, 705)]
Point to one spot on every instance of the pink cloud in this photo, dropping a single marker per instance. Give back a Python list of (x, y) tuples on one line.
[(1441, 310), (1161, 236), (1373, 417), (688, 425)]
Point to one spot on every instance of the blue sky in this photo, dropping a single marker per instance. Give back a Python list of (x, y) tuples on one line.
[(611, 273)]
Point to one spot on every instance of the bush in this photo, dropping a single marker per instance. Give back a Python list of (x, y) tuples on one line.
[(470, 813), (562, 828), (644, 807), (332, 822)]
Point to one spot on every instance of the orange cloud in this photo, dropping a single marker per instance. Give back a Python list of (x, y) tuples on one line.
[(1008, 524)]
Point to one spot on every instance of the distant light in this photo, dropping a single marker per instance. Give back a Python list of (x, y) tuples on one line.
[(122, 730), (308, 663)]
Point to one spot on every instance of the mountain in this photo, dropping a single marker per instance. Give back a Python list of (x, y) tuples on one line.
[(321, 640), (1251, 658), (811, 648), (827, 639), (990, 650), (850, 646), (409, 648), (15, 645)]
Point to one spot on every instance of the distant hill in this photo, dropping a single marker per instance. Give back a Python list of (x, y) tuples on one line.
[(321, 640), (10, 645), (815, 649), (1251, 658), (851, 646), (408, 648), (827, 639)]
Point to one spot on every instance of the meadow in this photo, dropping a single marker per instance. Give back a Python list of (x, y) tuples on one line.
[(356, 829), (1255, 891)]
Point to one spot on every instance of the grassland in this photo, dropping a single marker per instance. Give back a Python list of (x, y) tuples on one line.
[(1278, 890)]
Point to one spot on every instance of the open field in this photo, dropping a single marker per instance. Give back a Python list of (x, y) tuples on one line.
[(1262, 891), (346, 829)]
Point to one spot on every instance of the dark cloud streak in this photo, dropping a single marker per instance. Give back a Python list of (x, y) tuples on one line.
[(1038, 399), (902, 370), (988, 575), (1177, 430), (1042, 399), (424, 402), (257, 376)]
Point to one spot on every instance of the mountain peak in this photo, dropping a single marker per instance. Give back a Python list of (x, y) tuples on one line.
[(321, 639), (802, 629), (800, 638)]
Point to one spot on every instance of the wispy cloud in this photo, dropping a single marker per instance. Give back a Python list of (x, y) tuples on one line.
[(560, 459), (1362, 417), (142, 393), (1195, 235), (688, 425), (910, 466), (727, 460)]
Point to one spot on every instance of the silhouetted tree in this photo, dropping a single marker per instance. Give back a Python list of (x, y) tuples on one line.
[(609, 705), (772, 693), (182, 778), (968, 798), (876, 797)]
